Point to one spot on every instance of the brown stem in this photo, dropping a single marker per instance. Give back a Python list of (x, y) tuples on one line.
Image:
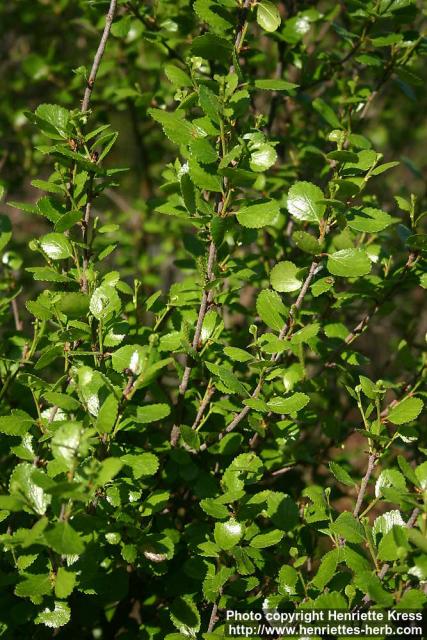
[(364, 484), (207, 294), (98, 56), (204, 403), (15, 310), (284, 332), (213, 618)]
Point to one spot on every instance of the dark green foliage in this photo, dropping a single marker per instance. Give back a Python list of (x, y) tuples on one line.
[(212, 361)]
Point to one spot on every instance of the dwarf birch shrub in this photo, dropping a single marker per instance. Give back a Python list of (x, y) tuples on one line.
[(212, 388)]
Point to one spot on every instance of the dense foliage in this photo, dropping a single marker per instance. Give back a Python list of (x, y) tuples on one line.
[(212, 361)]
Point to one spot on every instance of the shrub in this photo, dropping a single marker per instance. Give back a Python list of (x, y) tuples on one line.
[(211, 392)]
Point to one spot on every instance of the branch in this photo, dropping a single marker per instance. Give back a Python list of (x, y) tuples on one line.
[(98, 56), (213, 618), (285, 331), (207, 295), (210, 390), (364, 484)]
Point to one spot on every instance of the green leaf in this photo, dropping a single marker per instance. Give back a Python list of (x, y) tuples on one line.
[(421, 475), (34, 585), (293, 404), (5, 231), (283, 277), (107, 414), (322, 286), (406, 411), (348, 528), (228, 534), (175, 126), (47, 274), (275, 85), (341, 474), (304, 202), (66, 442), (177, 76), (371, 585), (74, 305), (268, 16), (56, 246), (203, 151), (131, 357), (259, 214), (209, 102), (327, 569), (64, 582), (287, 579), (204, 179), (262, 158), (63, 539), (327, 113), (17, 424), (349, 263), (271, 309), (306, 242), (144, 464), (212, 47), (56, 117), (269, 539), (389, 478), (104, 302), (54, 618), (152, 413), (369, 220), (22, 484), (239, 355), (185, 616)]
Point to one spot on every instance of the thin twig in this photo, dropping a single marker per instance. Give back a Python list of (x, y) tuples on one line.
[(213, 618), (98, 56), (364, 484), (287, 327), (15, 310), (210, 390), (207, 294)]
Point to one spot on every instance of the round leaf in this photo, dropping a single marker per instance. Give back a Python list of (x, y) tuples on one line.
[(259, 215), (228, 534), (406, 411), (104, 301), (283, 277), (268, 16), (349, 263), (56, 246), (303, 202)]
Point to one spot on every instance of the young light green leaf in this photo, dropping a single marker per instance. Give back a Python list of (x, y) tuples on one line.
[(406, 411), (284, 278)]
